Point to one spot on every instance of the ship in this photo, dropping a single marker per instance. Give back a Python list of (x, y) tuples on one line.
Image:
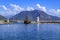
[(27, 21)]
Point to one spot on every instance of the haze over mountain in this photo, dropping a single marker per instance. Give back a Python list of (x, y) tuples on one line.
[(32, 15)]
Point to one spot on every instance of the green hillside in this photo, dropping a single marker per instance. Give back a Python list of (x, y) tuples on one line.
[(2, 18)]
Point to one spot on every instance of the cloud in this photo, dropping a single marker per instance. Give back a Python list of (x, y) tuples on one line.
[(4, 7), (38, 5), (54, 12), (16, 7), (43, 8), (5, 11), (58, 10), (30, 8)]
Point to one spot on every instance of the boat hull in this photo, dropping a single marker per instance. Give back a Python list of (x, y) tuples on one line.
[(27, 22)]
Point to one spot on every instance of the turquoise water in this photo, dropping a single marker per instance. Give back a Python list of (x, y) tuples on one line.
[(20, 31)]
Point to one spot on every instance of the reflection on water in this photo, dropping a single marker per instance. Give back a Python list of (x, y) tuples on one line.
[(38, 27), (19, 31)]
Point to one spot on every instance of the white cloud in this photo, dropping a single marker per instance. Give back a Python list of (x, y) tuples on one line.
[(5, 11), (58, 10), (30, 8), (8, 11), (38, 5), (54, 12), (4, 7), (17, 8), (41, 7)]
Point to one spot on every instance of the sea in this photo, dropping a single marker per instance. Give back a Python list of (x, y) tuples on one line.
[(21, 31)]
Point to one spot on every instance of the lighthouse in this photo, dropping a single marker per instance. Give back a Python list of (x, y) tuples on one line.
[(38, 20), (8, 20)]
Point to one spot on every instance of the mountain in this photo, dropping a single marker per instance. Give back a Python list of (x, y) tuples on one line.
[(2, 18), (32, 15)]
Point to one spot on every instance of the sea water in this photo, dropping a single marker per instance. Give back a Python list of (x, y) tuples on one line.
[(20, 31)]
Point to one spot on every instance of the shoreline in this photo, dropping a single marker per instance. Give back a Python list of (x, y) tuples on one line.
[(31, 22)]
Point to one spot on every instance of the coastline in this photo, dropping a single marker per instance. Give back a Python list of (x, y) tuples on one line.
[(2, 22)]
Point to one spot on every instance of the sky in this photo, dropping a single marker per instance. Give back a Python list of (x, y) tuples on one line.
[(12, 7)]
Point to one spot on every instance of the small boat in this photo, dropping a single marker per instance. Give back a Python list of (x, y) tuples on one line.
[(26, 21)]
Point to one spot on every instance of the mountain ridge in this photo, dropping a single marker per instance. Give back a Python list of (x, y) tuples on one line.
[(32, 15)]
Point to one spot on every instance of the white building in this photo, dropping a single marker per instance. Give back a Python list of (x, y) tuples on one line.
[(38, 20)]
